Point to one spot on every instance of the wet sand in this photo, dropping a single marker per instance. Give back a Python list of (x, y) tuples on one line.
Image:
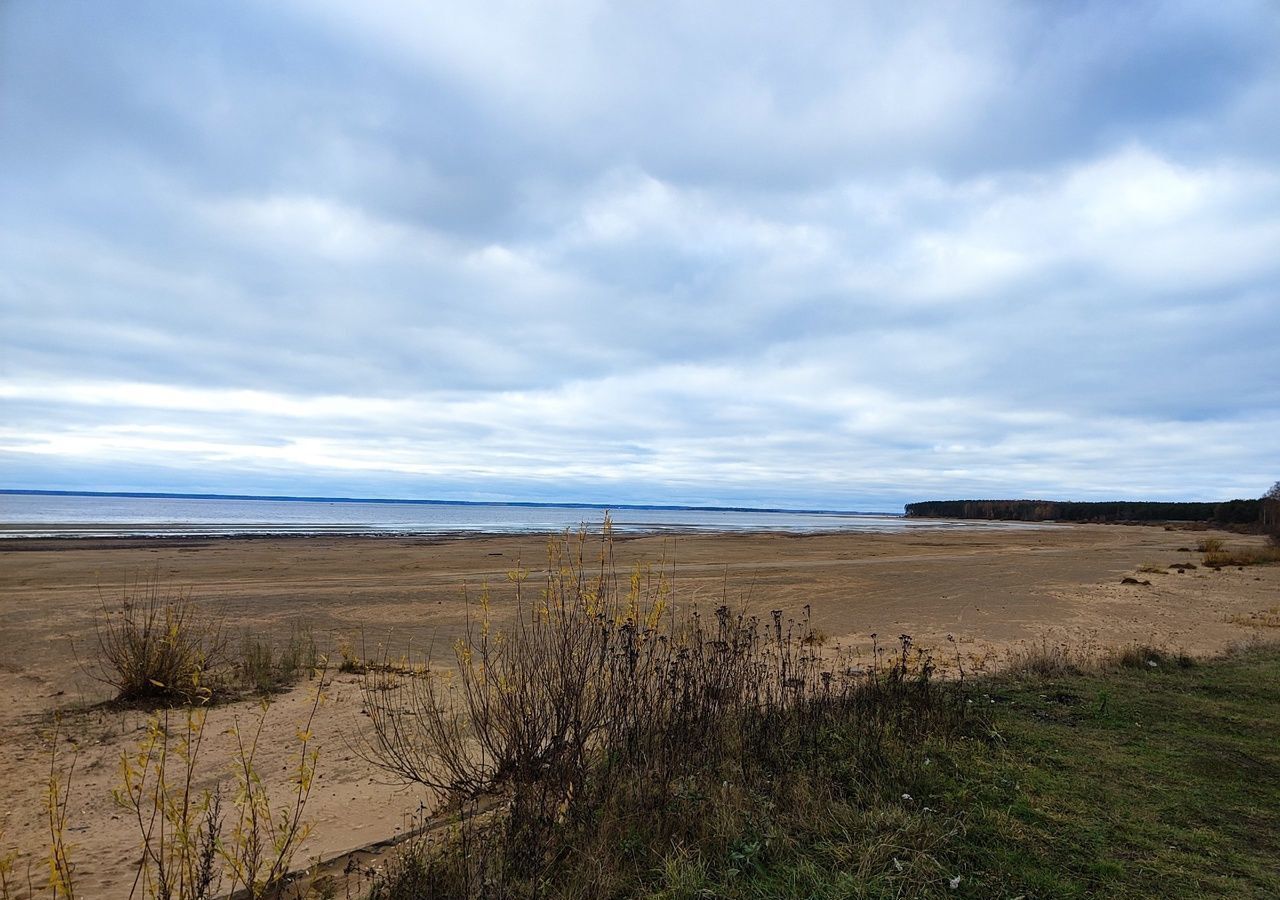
[(990, 589)]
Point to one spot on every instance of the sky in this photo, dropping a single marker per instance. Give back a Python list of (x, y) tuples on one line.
[(818, 255)]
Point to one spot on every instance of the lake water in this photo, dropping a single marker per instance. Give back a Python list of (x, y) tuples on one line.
[(32, 515)]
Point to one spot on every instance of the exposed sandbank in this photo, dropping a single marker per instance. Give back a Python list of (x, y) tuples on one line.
[(990, 589)]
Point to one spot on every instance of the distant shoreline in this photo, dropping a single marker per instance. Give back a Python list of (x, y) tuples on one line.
[(1221, 513)]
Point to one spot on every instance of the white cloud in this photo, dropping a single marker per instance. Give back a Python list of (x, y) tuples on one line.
[(1133, 218), (305, 226)]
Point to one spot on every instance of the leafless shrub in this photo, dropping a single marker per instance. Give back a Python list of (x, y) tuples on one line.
[(186, 849)]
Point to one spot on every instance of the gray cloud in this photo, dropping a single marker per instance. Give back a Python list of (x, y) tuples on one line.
[(848, 257)]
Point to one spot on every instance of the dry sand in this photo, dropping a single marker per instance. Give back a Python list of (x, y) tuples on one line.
[(991, 589)]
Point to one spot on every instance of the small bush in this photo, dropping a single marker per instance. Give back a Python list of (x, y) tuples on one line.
[(350, 663), (159, 646), (1245, 556), (1209, 545), (1143, 656)]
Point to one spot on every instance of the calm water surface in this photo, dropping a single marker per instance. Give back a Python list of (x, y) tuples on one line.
[(28, 515)]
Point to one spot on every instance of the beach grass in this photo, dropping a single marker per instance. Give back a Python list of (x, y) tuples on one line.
[(1242, 556), (158, 646), (1150, 781)]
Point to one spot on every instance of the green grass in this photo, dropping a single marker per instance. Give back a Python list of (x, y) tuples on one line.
[(1135, 782), (1132, 783), (1130, 780)]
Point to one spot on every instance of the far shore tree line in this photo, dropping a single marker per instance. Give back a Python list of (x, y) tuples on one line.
[(1262, 514)]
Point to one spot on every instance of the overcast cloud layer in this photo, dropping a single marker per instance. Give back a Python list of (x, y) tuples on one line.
[(837, 256)]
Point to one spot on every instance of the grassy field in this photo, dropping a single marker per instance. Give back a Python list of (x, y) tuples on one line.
[(1148, 781), (1155, 781), (1150, 777)]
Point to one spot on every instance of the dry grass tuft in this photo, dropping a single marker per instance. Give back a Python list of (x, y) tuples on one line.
[(1046, 660), (1263, 618), (1244, 556), (1139, 656), (263, 667), (1061, 660), (157, 645)]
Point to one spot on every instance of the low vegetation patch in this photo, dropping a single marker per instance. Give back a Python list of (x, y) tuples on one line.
[(1263, 618), (266, 667), (1138, 776), (607, 744), (1242, 556), (1137, 656), (628, 751), (158, 647)]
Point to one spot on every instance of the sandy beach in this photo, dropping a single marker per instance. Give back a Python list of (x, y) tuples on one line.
[(990, 589)]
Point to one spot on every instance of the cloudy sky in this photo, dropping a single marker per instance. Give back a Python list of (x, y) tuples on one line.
[(837, 255)]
